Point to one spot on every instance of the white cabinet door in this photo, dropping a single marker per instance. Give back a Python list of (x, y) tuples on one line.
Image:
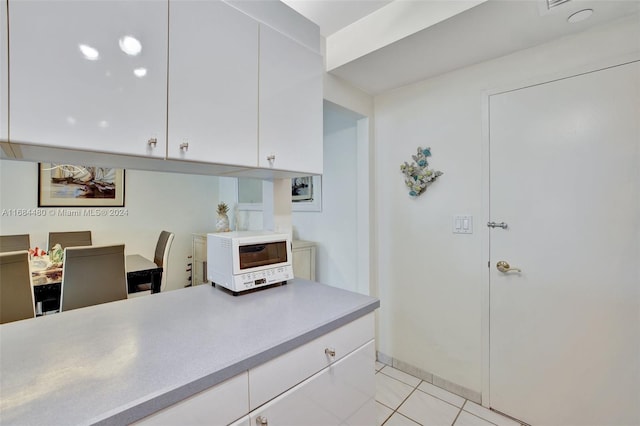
[(304, 259), (276, 376), (89, 74), (213, 83), (4, 73), (199, 260), (342, 394), (290, 105), (220, 405)]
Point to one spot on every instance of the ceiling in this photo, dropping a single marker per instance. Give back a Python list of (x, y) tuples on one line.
[(333, 15), (489, 30)]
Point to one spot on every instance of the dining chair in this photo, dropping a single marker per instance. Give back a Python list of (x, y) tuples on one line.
[(16, 295), (160, 258), (92, 275), (69, 239), (14, 242)]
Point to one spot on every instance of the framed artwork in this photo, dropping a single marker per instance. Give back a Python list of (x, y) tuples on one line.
[(69, 185), (306, 193)]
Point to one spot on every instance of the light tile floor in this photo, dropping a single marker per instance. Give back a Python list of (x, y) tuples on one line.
[(404, 400)]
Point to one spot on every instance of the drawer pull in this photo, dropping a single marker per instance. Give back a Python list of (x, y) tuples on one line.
[(184, 147), (152, 141), (331, 352), (261, 421)]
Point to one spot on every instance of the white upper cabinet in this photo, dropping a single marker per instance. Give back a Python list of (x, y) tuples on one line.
[(290, 104), (213, 84), (89, 75), (4, 74)]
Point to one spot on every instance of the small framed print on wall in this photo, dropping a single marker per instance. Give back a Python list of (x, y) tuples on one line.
[(306, 193)]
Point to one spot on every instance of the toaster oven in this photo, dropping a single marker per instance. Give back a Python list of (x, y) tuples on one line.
[(246, 260)]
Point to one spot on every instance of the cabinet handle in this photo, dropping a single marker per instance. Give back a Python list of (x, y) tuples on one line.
[(271, 158), (331, 352), (261, 421), (184, 146), (152, 141)]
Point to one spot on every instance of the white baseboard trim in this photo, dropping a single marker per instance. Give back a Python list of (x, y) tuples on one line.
[(455, 388)]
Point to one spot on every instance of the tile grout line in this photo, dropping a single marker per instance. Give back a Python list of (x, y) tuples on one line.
[(457, 415), (438, 398), (428, 393), (475, 415), (460, 409), (403, 401)]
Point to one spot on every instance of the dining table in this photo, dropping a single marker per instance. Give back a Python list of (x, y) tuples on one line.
[(46, 280), (141, 270)]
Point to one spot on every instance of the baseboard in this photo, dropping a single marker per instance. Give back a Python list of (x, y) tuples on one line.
[(455, 388)]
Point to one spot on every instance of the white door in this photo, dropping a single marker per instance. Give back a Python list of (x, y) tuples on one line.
[(565, 332)]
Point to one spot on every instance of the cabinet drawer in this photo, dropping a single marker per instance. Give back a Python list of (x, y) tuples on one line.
[(276, 376), (341, 394), (221, 404), (245, 421)]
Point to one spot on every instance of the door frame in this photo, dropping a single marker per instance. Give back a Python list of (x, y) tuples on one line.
[(486, 192)]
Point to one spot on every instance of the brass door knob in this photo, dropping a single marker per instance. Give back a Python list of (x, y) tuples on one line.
[(504, 267)]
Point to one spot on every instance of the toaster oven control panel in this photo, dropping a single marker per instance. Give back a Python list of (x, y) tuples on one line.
[(252, 280)]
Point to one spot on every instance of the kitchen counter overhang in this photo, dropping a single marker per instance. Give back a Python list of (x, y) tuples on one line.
[(119, 362)]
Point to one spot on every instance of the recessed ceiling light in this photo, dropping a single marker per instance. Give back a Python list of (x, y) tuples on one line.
[(140, 72), (130, 45), (89, 52), (580, 16)]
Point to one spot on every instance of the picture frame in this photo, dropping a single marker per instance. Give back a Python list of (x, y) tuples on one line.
[(306, 193), (69, 185), (310, 199)]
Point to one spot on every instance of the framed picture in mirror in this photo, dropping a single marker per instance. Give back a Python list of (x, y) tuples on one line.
[(69, 185)]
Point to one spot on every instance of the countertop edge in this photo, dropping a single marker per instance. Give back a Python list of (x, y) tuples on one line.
[(138, 410)]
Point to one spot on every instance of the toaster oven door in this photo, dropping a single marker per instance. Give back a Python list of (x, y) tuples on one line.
[(262, 254)]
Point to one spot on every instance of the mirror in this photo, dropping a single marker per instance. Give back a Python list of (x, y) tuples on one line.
[(249, 191), (306, 194)]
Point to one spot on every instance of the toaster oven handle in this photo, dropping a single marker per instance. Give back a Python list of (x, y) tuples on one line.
[(252, 248)]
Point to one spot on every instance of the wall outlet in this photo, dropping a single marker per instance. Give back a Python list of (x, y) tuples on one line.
[(463, 224)]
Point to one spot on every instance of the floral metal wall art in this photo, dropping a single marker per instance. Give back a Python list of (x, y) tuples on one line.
[(417, 175)]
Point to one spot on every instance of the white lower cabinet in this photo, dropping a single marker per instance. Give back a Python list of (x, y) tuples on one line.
[(328, 381), (304, 259), (219, 405), (341, 394), (245, 421), (199, 260), (284, 372)]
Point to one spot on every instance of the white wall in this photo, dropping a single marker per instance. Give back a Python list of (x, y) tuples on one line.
[(334, 229), (429, 278), (154, 201)]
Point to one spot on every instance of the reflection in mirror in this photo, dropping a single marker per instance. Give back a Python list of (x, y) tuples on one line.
[(306, 194), (249, 191)]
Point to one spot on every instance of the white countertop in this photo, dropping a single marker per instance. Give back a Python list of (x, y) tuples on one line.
[(118, 362)]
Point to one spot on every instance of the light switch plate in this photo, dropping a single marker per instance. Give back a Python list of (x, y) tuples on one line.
[(463, 224)]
